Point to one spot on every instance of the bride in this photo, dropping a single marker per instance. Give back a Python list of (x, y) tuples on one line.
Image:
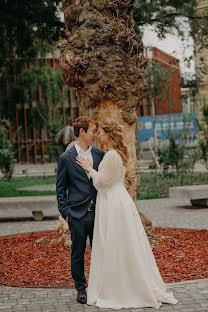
[(123, 270)]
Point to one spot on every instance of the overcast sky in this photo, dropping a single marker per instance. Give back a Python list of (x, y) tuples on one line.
[(172, 45)]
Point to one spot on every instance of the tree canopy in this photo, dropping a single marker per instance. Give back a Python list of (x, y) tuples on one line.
[(171, 17), (28, 27), (163, 14)]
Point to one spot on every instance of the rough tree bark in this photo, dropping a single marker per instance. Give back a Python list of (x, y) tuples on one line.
[(103, 59)]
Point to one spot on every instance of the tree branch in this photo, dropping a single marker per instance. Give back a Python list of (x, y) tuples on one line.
[(171, 14)]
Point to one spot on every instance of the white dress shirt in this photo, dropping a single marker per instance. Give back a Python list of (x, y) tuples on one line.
[(86, 155)]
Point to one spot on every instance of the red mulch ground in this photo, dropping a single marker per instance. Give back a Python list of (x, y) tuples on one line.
[(181, 253)]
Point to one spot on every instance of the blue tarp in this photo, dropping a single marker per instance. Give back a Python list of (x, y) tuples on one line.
[(173, 122)]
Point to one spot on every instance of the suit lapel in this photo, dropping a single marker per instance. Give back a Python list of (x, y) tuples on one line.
[(73, 154), (96, 159)]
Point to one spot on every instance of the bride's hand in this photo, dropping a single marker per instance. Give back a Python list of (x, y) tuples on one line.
[(84, 163)]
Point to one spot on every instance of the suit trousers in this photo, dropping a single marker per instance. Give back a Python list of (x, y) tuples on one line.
[(80, 229)]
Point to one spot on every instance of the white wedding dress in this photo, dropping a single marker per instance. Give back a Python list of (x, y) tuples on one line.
[(123, 271)]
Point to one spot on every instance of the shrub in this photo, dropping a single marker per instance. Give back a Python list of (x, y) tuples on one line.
[(7, 159), (176, 155), (171, 155), (203, 128)]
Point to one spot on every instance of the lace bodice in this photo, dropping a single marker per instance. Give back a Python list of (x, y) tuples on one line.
[(110, 171)]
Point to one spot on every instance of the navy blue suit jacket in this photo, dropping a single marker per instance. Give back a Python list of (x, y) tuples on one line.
[(73, 179)]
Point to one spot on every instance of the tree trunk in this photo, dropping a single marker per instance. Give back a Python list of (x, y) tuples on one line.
[(103, 59)]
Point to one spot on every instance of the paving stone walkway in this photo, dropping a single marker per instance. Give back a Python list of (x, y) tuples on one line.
[(192, 297)]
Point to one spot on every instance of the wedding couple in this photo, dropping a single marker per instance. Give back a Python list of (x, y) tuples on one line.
[(123, 271)]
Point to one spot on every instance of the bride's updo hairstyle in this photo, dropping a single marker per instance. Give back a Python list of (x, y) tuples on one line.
[(115, 134)]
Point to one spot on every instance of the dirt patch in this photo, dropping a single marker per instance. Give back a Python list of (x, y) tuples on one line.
[(39, 259)]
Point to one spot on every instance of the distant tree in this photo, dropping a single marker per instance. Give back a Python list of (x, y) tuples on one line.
[(28, 27), (203, 128), (7, 159), (171, 17), (166, 15), (159, 79)]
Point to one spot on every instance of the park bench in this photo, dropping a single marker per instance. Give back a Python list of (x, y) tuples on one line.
[(198, 194), (28, 206)]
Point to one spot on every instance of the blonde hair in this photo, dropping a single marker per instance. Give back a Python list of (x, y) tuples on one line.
[(115, 134)]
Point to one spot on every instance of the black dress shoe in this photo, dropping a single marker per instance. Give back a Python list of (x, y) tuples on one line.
[(82, 296)]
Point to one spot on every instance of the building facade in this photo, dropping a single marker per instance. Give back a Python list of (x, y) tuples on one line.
[(171, 103), (201, 57)]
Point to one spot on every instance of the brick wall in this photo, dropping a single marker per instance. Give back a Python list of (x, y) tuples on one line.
[(172, 103)]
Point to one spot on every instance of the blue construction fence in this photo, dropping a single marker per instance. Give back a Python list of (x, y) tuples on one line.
[(166, 123)]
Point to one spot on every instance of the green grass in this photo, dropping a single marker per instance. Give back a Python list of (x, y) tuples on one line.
[(9, 188), (153, 185), (156, 185)]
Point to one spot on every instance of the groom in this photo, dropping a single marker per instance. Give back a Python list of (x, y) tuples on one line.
[(76, 196)]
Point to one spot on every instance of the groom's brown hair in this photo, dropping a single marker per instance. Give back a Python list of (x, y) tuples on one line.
[(82, 122)]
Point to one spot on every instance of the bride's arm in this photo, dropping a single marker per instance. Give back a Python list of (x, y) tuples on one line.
[(104, 178)]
